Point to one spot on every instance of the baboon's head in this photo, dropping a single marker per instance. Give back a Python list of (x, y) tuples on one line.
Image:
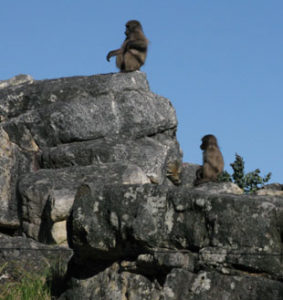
[(132, 26), (208, 140)]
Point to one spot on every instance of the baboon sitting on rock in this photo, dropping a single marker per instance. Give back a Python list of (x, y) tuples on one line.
[(213, 162)]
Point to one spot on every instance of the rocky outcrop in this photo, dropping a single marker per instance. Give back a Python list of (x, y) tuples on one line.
[(56, 134), (92, 172)]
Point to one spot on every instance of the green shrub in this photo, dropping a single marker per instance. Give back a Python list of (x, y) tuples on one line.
[(249, 182), (224, 177)]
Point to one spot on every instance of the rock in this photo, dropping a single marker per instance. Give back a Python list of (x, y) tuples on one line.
[(160, 263), (179, 219), (48, 194), (183, 285), (179, 284), (186, 241), (188, 174), (220, 188), (275, 189), (134, 175), (116, 221), (59, 233), (111, 284), (8, 162), (16, 80), (81, 109), (167, 259), (150, 154)]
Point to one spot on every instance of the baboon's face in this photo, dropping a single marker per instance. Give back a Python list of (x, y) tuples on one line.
[(132, 26), (208, 140), (204, 144)]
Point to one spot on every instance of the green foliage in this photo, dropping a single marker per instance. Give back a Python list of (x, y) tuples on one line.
[(24, 285), (253, 179), (224, 177), (249, 182), (29, 287), (238, 175)]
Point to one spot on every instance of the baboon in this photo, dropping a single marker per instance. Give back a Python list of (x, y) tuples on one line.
[(132, 54), (213, 162), (174, 170)]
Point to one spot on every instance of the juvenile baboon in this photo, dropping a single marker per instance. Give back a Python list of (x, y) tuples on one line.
[(132, 54), (213, 163), (174, 170)]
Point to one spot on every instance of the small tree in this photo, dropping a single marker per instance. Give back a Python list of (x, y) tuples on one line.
[(238, 167), (249, 182)]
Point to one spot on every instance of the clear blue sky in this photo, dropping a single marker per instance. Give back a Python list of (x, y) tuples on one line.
[(220, 63)]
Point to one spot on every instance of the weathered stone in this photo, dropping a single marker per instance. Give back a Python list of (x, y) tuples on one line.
[(150, 154), (188, 174), (8, 164), (79, 109), (111, 285), (161, 261), (48, 194), (183, 285), (59, 233), (219, 188), (18, 99), (119, 214), (16, 80), (155, 217), (158, 264), (275, 189), (179, 284)]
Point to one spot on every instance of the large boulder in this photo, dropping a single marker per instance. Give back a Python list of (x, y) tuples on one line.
[(48, 194), (66, 110)]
